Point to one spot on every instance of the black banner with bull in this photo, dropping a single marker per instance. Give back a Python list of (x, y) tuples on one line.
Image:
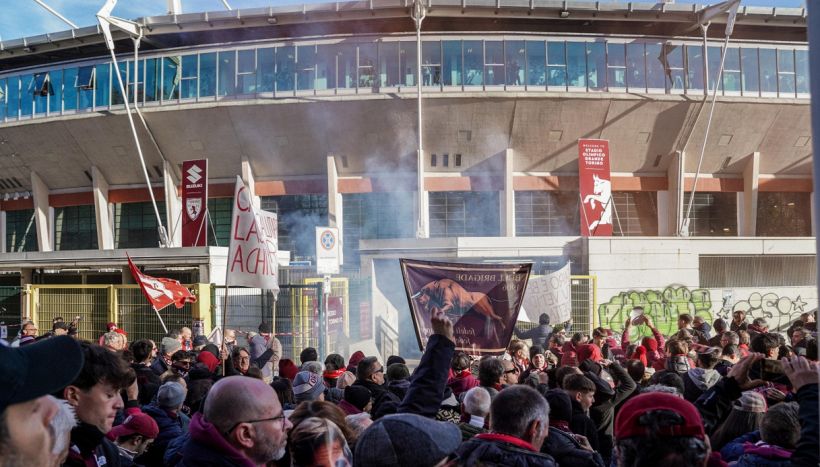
[(482, 301)]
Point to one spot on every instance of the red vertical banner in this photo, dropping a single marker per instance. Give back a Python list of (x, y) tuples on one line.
[(595, 187), (195, 203)]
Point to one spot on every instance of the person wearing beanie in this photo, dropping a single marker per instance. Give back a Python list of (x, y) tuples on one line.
[(357, 399), (394, 359), (208, 359), (353, 363), (345, 380), (164, 360), (745, 417), (640, 354), (200, 342), (398, 379), (172, 423), (562, 444), (396, 440), (309, 354), (288, 369), (589, 352), (308, 386)]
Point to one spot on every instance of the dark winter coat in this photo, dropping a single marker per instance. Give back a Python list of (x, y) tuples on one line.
[(207, 448), (88, 442), (540, 335), (170, 428), (749, 451), (159, 366), (581, 424), (428, 381), (696, 381), (602, 411), (493, 449), (568, 452)]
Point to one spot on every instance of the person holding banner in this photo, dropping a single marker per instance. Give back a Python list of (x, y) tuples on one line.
[(540, 334)]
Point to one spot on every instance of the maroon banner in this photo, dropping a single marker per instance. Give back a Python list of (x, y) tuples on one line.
[(195, 203), (595, 187), (482, 301)]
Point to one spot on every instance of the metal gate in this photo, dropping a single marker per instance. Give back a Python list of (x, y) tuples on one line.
[(297, 314), (10, 310), (584, 296)]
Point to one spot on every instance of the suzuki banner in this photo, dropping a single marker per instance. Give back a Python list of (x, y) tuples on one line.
[(595, 187), (195, 203), (254, 243), (482, 301)]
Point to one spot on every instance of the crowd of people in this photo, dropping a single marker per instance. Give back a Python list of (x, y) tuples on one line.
[(725, 393)]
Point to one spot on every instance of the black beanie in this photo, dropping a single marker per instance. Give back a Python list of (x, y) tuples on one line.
[(560, 405), (358, 396)]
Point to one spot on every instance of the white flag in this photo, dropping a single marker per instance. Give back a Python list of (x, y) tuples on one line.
[(252, 254)]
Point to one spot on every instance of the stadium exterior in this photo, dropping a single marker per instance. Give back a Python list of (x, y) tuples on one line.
[(315, 106)]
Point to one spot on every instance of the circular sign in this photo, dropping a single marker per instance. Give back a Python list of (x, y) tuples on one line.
[(328, 240)]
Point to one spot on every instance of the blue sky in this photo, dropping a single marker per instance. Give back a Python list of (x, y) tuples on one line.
[(30, 19)]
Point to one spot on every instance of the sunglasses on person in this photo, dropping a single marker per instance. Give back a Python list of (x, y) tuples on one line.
[(514, 370), (280, 416)]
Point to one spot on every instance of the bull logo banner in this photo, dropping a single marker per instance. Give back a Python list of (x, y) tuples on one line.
[(195, 201), (595, 187), (482, 301)]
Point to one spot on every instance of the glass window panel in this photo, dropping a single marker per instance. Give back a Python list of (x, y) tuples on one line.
[(596, 65), (576, 64), (546, 213), (431, 63), (246, 72), (207, 74), (151, 79), (655, 76), (21, 231), (802, 71), (265, 69), (170, 78), (389, 64), (3, 94), (367, 65), (473, 64), (27, 95), (407, 63), (451, 63), (768, 70), (13, 97), (494, 59), (376, 215), (299, 214), (227, 73), (536, 63), (731, 70), (636, 213), (69, 89), (713, 214), (346, 66), (616, 63), (306, 67), (750, 78), (464, 214), (714, 66), (635, 63), (785, 71), (102, 81), (694, 61), (783, 214), (326, 67), (556, 54), (42, 91), (135, 224), (140, 80), (75, 228), (674, 67), (515, 58), (188, 87), (220, 210)]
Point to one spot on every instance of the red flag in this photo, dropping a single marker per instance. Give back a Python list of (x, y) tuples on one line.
[(161, 292)]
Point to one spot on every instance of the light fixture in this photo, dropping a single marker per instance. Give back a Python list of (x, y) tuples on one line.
[(564, 14), (6, 197), (16, 196), (272, 20)]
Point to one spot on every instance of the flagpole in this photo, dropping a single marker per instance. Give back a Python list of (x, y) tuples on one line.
[(224, 320), (161, 321)]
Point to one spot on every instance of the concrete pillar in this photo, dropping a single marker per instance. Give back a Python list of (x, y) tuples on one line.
[(26, 278), (334, 202), (105, 232), (747, 227), (250, 182), (173, 205), (508, 197), (3, 246), (674, 200), (42, 218)]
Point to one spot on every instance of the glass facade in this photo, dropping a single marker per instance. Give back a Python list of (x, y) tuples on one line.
[(376, 215), (547, 213), (135, 225), (21, 231), (75, 228), (219, 215), (712, 215), (464, 214), (298, 217), (593, 65), (783, 214), (636, 213)]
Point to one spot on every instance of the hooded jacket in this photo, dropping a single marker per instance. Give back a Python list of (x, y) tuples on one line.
[(207, 448), (567, 452), (170, 428), (462, 382), (540, 334), (495, 449), (748, 451), (696, 381)]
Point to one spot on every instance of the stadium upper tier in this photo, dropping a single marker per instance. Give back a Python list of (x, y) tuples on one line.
[(369, 48)]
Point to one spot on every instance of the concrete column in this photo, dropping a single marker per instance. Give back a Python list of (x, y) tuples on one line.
[(675, 207), (173, 205), (508, 197), (105, 234), (3, 246), (250, 182), (334, 202), (41, 213), (747, 227)]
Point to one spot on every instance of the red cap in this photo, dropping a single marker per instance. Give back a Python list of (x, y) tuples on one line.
[(209, 360), (138, 423), (628, 421)]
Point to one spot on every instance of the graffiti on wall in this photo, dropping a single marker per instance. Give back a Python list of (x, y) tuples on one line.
[(664, 307)]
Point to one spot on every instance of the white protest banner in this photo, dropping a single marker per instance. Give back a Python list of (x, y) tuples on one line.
[(549, 294), (327, 250), (252, 258)]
